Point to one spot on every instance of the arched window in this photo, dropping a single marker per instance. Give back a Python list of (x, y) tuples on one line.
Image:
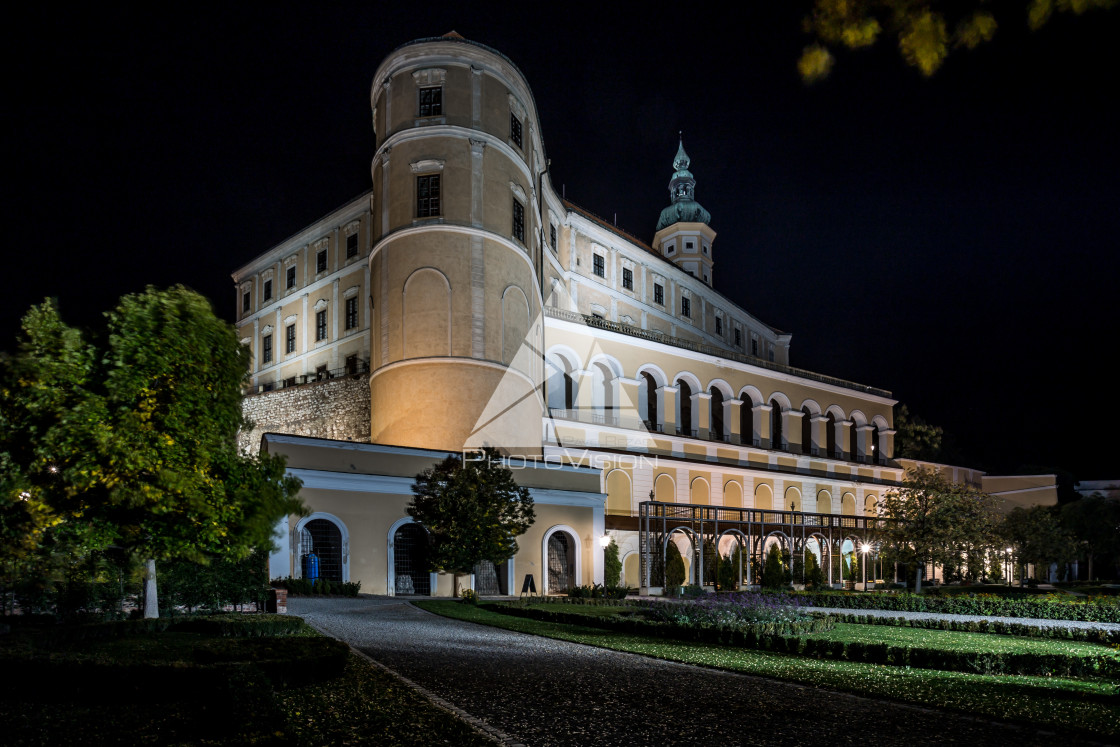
[(719, 433), (649, 391), (873, 445), (807, 431), (830, 436), (775, 425), (684, 407)]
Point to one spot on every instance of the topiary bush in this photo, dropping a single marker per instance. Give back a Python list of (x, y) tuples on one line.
[(674, 567)]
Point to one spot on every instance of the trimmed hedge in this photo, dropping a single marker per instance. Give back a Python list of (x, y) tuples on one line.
[(1085, 635), (1049, 607), (637, 625), (225, 625)]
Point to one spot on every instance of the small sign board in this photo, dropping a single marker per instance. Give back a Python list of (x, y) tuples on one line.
[(529, 585)]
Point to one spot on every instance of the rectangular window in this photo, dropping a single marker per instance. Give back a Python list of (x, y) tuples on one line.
[(659, 294), (518, 221), (245, 303), (627, 278), (290, 339), (352, 364), (431, 101), (689, 246), (515, 129), (719, 326), (321, 325), (705, 248), (427, 196), (686, 307), (291, 277), (770, 352), (321, 261), (552, 236), (268, 290), (754, 347), (352, 245), (351, 313), (266, 349), (672, 248), (599, 265), (738, 338)]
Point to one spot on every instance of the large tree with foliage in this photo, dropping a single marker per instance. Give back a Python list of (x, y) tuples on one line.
[(128, 438), (473, 510), (1094, 523), (926, 31), (932, 519), (1036, 536)]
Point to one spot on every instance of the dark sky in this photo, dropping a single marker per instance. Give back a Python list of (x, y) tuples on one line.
[(953, 240)]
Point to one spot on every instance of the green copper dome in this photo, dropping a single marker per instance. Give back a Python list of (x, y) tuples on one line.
[(682, 189)]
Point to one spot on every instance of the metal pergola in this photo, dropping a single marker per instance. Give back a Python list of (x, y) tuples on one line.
[(751, 529)]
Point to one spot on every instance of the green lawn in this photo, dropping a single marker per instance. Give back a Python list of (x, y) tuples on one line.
[(955, 641), (1076, 705)]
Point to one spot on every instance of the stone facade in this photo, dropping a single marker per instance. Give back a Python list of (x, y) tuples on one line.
[(338, 409)]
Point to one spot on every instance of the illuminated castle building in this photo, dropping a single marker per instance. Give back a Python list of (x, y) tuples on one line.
[(462, 302)]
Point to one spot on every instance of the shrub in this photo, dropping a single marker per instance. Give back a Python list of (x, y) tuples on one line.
[(729, 571), (674, 567), (814, 575), (612, 565), (773, 571), (470, 596)]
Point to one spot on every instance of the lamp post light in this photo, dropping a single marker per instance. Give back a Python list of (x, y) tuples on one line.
[(1009, 566), (864, 548), (605, 541)]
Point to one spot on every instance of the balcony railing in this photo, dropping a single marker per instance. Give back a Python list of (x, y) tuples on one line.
[(615, 420), (698, 347)]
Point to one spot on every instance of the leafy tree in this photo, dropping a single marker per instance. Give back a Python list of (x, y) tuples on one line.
[(1036, 535), (914, 437), (128, 439), (925, 30), (612, 565), (932, 519), (1094, 522), (773, 569), (674, 567), (473, 510)]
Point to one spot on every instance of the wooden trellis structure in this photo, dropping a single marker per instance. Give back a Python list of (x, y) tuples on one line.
[(751, 529)]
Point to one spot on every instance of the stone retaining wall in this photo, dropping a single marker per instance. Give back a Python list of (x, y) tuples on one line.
[(338, 408)]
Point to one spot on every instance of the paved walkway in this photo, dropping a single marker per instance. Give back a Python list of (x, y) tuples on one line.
[(539, 691)]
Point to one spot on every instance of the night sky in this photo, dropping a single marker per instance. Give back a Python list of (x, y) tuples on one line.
[(953, 240)]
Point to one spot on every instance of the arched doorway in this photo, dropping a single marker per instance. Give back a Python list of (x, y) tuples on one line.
[(561, 562), (320, 550), (410, 560)]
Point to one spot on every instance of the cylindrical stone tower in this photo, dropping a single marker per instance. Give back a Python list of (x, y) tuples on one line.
[(454, 270)]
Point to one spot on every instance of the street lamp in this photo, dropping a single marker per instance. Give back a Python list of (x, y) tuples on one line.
[(605, 541), (865, 548), (1009, 567)]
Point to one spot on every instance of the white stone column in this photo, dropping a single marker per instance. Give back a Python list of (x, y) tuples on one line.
[(701, 414), (791, 429), (819, 446), (732, 415), (762, 425)]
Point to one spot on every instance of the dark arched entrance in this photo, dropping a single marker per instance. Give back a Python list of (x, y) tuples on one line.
[(324, 540), (561, 562), (410, 560)]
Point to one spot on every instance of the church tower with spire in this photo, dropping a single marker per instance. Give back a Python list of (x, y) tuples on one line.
[(683, 235)]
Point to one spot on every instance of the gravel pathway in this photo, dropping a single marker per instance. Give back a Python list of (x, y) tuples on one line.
[(539, 691), (1040, 622)]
